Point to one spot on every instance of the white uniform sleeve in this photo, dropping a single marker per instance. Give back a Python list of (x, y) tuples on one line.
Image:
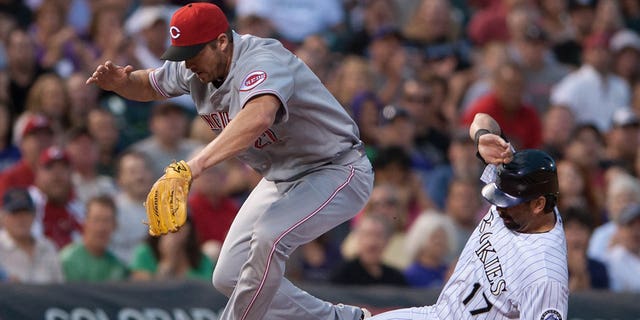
[(171, 80), (544, 301)]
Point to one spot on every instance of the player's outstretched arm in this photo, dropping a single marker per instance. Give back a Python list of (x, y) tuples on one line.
[(486, 132), (130, 84)]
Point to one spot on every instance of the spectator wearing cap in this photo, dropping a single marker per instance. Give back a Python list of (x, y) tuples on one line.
[(90, 259), (25, 258), (58, 213), (622, 140), (505, 103), (149, 25), (625, 45), (541, 70), (584, 272), (624, 257), (168, 142), (33, 134), (593, 92), (83, 154)]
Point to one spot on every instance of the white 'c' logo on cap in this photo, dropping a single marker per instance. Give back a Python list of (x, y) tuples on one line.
[(175, 32)]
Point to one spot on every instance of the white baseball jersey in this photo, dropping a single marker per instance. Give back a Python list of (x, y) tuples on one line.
[(312, 127), (503, 274)]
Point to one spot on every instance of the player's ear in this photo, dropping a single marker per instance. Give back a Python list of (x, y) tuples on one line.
[(223, 41), (538, 204)]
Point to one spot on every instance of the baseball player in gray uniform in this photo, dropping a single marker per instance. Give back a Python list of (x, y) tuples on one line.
[(275, 115), (514, 265)]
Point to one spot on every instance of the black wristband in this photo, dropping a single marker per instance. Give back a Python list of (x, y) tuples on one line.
[(476, 139), (479, 133)]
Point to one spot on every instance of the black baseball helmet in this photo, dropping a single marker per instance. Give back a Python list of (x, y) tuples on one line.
[(531, 173)]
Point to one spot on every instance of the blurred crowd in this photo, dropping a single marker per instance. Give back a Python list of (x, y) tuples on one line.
[(76, 162)]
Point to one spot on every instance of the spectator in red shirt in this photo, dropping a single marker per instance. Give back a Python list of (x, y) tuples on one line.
[(58, 214), (34, 134), (212, 209), (518, 120)]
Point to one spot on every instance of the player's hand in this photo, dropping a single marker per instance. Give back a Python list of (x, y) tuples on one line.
[(493, 149), (166, 203), (110, 76)]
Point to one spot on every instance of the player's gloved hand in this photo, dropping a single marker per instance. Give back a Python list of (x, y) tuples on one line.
[(167, 201)]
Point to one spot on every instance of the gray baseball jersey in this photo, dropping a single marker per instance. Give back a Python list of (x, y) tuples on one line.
[(316, 176), (503, 274), (312, 127)]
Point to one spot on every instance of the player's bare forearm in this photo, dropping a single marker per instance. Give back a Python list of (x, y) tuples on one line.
[(484, 121), (253, 120), (130, 84), (491, 146), (139, 87)]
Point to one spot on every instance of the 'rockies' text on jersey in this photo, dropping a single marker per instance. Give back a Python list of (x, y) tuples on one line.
[(503, 274), (311, 129)]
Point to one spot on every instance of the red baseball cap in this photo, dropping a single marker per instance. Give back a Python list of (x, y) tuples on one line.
[(53, 154), (192, 27), (33, 123)]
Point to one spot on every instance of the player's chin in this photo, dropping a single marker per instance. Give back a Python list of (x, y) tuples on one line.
[(510, 224), (203, 77)]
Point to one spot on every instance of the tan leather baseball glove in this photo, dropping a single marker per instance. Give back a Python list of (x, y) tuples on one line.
[(167, 201)]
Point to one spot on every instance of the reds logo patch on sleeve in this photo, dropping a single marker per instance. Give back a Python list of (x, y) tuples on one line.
[(252, 80), (551, 314)]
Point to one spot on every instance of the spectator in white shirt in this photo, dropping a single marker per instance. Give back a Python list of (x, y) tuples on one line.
[(593, 92), (23, 257)]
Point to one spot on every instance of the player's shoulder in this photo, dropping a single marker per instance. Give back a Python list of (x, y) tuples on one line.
[(252, 48)]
